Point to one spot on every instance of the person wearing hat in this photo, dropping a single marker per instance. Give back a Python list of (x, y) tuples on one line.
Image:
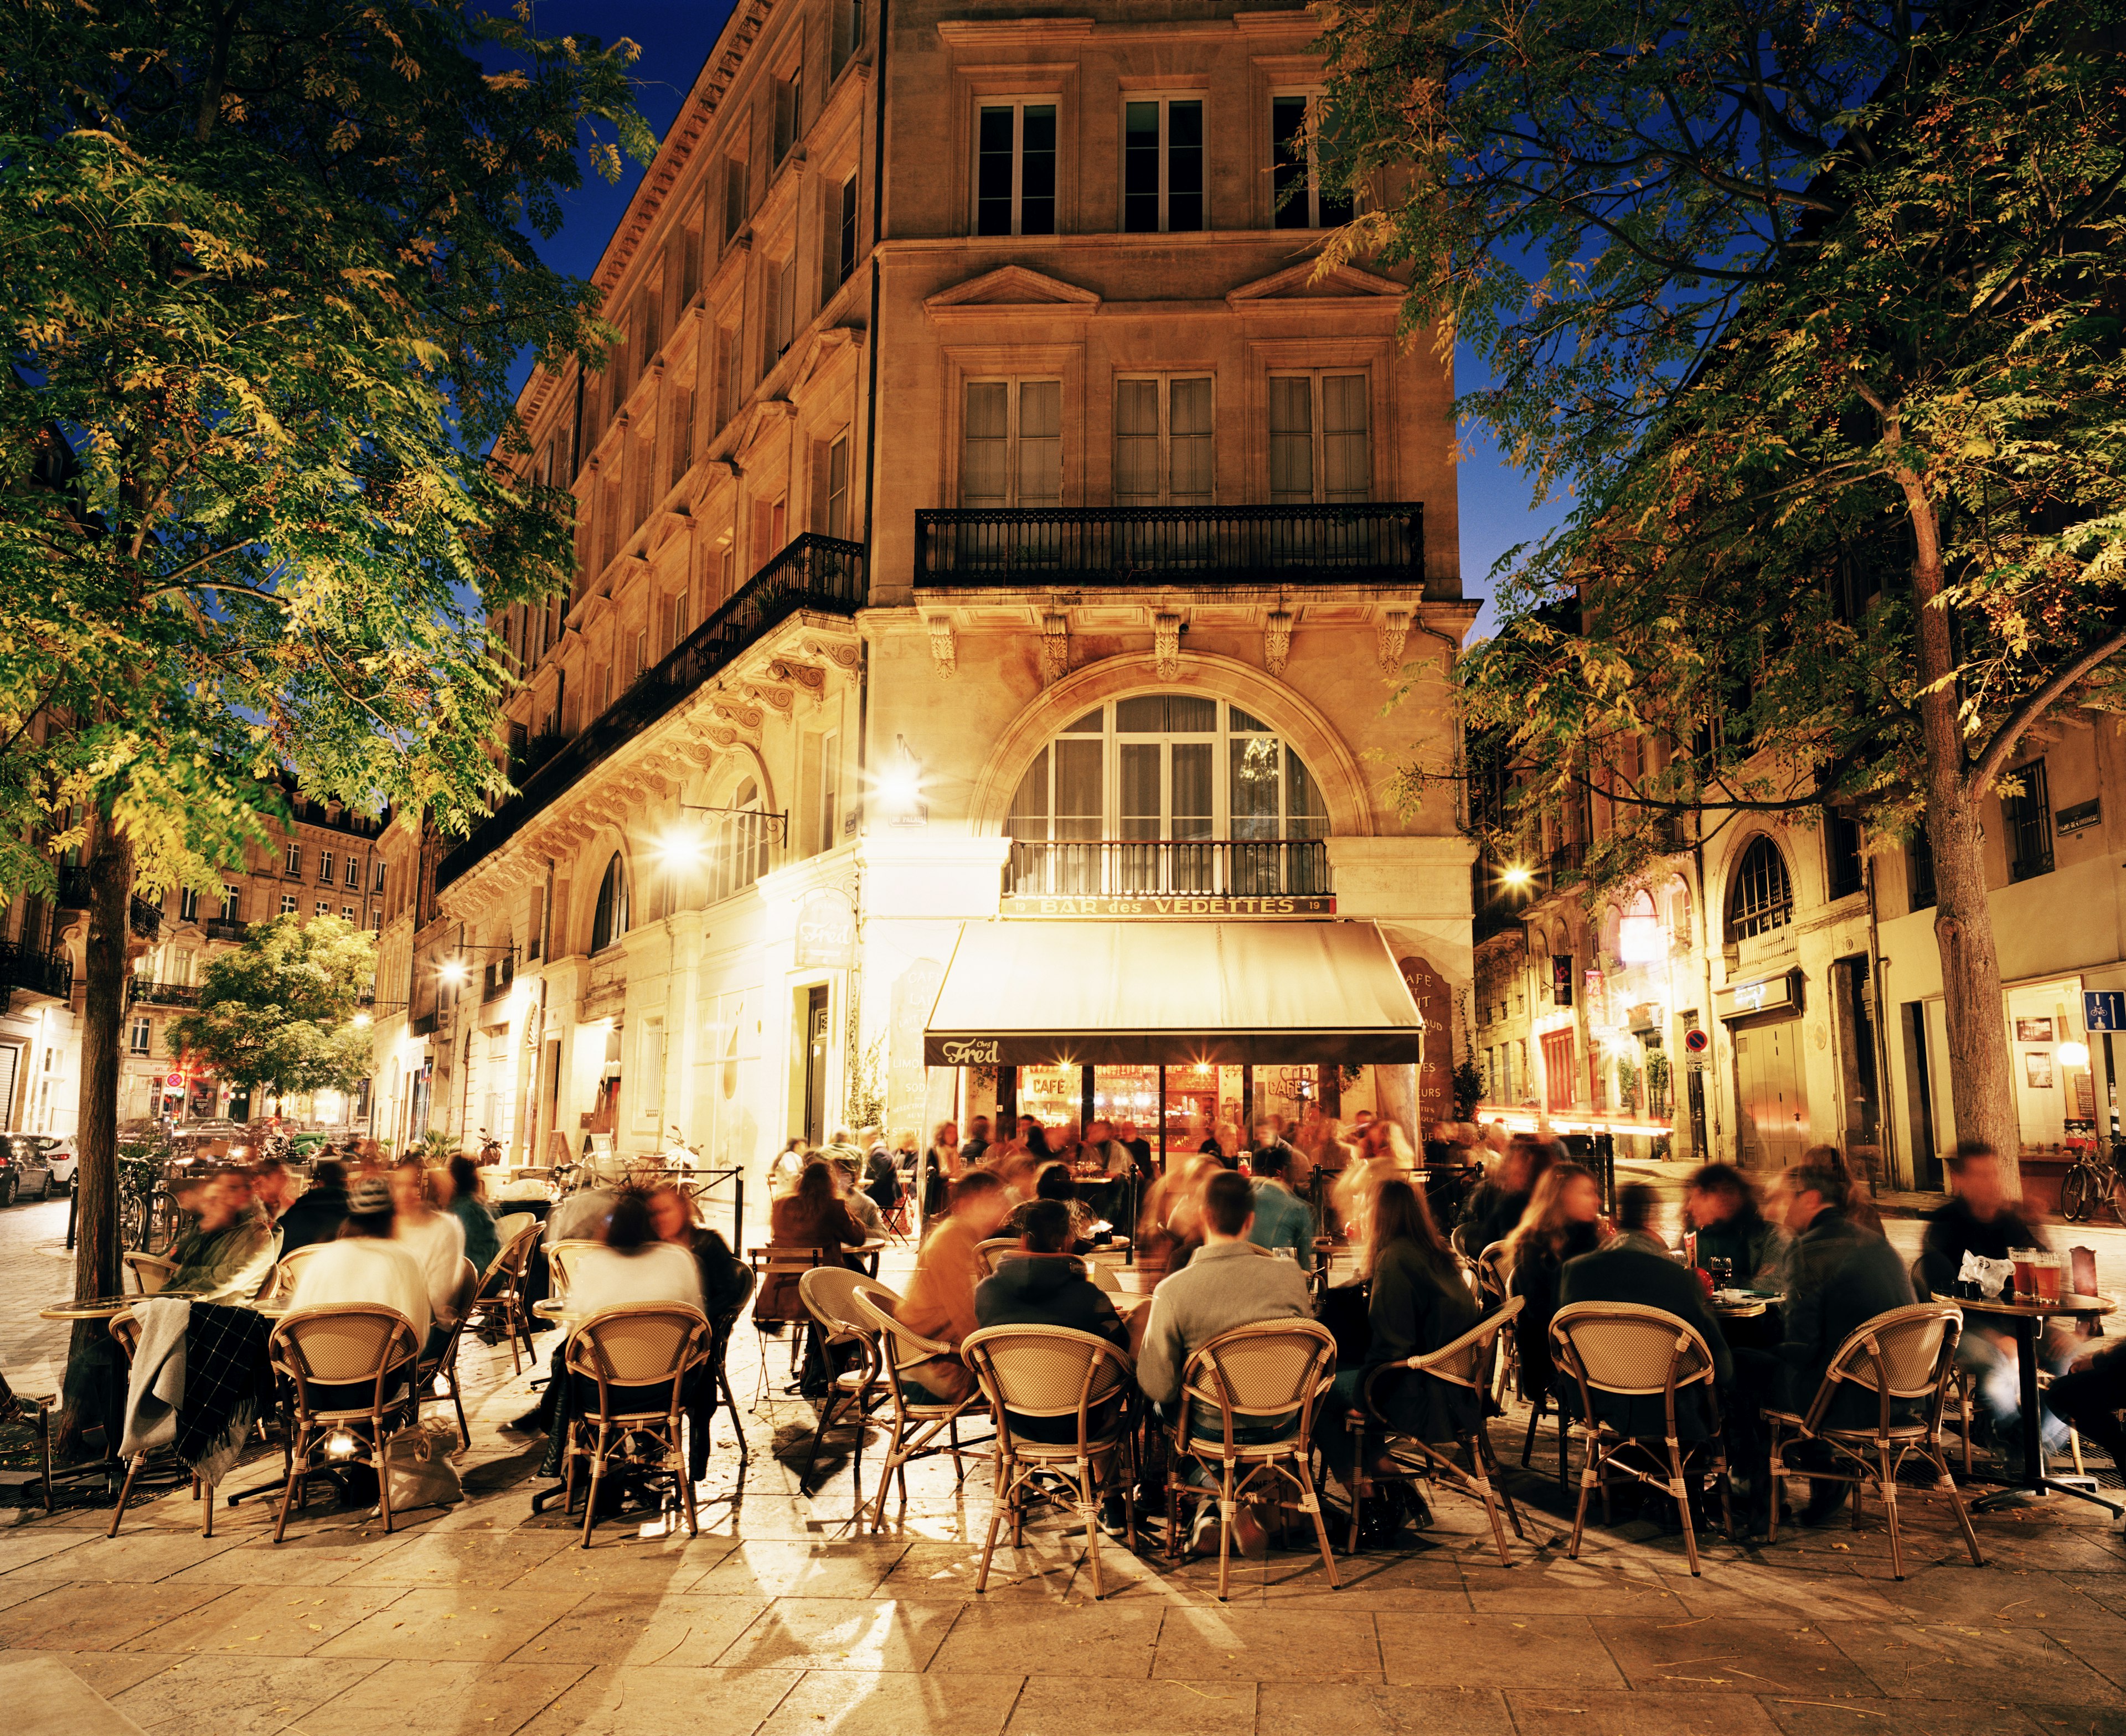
[(365, 1266)]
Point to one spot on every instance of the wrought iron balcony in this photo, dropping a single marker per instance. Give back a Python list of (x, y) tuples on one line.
[(1237, 868), (1379, 543), (818, 573), (140, 989), (145, 919), (34, 971), (227, 928), (74, 889)]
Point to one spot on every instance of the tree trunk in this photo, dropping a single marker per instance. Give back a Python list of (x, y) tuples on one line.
[(1982, 1090), (95, 1233)]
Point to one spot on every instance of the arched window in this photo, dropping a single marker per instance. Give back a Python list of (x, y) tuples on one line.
[(740, 854), (610, 921), (1168, 792), (1761, 897), (1641, 940)]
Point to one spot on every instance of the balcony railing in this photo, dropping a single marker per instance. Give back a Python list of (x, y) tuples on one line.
[(1094, 546), (74, 889), (1208, 867), (227, 928), (821, 573), (140, 989), (35, 971)]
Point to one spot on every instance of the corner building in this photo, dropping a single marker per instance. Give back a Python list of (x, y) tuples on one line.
[(997, 553)]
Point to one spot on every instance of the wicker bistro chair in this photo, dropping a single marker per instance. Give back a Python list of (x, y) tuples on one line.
[(126, 1328), (280, 1283), (778, 1260), (559, 1257), (1628, 1350), (1466, 1362), (1053, 1371), (1906, 1356), (639, 1356), (829, 1293), (1269, 1370), (1489, 1266), (500, 1298), (442, 1367), (913, 1425), (348, 1369), (1959, 1383)]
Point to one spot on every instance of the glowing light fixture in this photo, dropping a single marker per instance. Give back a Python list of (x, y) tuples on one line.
[(454, 972), (1517, 875), (2074, 1054)]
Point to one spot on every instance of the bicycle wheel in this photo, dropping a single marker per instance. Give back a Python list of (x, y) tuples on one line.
[(163, 1226), (2117, 1197), (2076, 1193), (132, 1222)]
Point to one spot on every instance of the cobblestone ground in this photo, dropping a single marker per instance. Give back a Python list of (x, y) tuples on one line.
[(784, 1618)]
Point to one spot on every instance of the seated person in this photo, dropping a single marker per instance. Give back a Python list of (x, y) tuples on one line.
[(1839, 1276), (1281, 1221), (1494, 1204), (859, 1204), (1563, 1221), (433, 1238), (1043, 1286), (1635, 1267), (460, 1184), (940, 1303), (723, 1276), (1419, 1304), (318, 1211), (1979, 1219), (1720, 1205), (580, 1217), (1056, 1184), (1229, 1282), (813, 1216), (364, 1265), (2089, 1397), (224, 1256), (271, 1189)]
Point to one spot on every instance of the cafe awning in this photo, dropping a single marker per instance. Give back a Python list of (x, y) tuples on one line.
[(1033, 994)]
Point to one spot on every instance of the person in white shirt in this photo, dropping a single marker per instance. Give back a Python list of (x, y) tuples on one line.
[(434, 1239), (365, 1266)]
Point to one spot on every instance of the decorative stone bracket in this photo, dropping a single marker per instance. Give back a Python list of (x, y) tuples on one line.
[(1277, 641), (1393, 628), (1166, 645), (1054, 648), (944, 650)]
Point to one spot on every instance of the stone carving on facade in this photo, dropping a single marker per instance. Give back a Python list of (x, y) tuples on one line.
[(1054, 648), (1277, 641), (1166, 645), (736, 711), (837, 651), (778, 699), (1393, 628), (944, 650), (810, 676)]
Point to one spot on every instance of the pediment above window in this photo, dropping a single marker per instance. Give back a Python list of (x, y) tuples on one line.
[(1298, 283), (1011, 287)]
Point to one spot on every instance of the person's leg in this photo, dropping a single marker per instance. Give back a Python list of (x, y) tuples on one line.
[(2089, 1399)]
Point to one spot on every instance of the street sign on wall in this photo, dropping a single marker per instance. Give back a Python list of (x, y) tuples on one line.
[(2103, 1009)]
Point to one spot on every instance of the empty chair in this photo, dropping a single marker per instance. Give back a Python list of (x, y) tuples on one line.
[(636, 1358), (500, 1300), (829, 1293), (914, 1425)]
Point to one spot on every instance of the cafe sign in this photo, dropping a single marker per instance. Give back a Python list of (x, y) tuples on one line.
[(1170, 907), (1780, 993), (826, 932)]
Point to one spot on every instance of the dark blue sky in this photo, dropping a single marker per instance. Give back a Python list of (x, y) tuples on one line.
[(675, 39)]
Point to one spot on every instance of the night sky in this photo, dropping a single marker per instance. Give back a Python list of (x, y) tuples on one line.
[(675, 39)]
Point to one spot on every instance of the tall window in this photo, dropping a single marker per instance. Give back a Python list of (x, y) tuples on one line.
[(377, 884), (823, 824), (187, 905), (232, 902), (1320, 446), (1296, 152), (843, 254), (782, 277), (836, 517), (143, 1034), (325, 866), (1762, 896), (728, 381), (1012, 446), (1162, 165), (1163, 442), (1919, 872), (2027, 822), (789, 111), (1844, 855), (848, 24), (739, 856), (680, 624), (609, 921), (1015, 169), (683, 436), (353, 871), (734, 197), (295, 861)]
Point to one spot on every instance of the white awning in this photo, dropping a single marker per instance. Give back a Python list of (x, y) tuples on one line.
[(1032, 994)]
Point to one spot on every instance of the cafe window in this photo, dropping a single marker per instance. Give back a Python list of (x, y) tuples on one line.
[(2026, 820), (1175, 766), (609, 922), (1761, 899)]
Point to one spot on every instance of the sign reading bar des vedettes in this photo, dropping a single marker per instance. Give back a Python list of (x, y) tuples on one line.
[(1168, 906)]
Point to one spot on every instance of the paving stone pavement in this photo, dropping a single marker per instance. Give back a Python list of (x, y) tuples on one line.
[(784, 1618)]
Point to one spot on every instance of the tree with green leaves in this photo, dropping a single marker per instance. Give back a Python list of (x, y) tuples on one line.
[(1816, 313), (281, 1012), (266, 267)]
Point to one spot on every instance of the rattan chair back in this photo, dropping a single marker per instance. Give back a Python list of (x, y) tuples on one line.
[(1629, 1349), (280, 1282), (1046, 1372), (877, 1305), (1268, 1369), (511, 1225), (344, 1345), (829, 1294), (559, 1255), (641, 1344), (1467, 1361), (1905, 1355)]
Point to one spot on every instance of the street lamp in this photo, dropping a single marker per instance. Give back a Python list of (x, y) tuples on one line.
[(1517, 875)]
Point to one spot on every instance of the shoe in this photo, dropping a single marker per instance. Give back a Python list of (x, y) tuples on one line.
[(1114, 1516), (532, 1422), (1825, 1498), (1203, 1533)]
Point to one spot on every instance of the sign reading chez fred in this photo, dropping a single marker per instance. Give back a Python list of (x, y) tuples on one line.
[(826, 932), (1168, 906), (1780, 993)]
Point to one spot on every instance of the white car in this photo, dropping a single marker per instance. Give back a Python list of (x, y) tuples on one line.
[(63, 1161)]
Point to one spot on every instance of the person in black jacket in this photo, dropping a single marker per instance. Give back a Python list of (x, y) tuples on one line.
[(318, 1211), (1494, 1206), (1563, 1221), (1636, 1268)]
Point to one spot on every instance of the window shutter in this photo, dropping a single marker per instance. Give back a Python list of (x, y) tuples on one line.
[(1291, 439), (1136, 443), (819, 489), (985, 442), (1041, 443), (1346, 452)]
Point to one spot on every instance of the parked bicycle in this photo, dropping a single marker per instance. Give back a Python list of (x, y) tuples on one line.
[(148, 1214), (2095, 1181)]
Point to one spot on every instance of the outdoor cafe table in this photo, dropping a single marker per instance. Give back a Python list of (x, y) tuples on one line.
[(2023, 1317)]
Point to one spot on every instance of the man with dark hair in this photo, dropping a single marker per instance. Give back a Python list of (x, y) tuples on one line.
[(1979, 1220), (977, 1141), (1230, 1282), (1839, 1276), (940, 1303), (1720, 1205), (1281, 1222), (271, 1189), (318, 1211)]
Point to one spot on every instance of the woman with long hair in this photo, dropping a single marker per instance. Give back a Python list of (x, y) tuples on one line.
[(1420, 1302), (1860, 1206), (1563, 1221), (812, 1216)]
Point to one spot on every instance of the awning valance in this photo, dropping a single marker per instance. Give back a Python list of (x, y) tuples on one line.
[(1033, 994)]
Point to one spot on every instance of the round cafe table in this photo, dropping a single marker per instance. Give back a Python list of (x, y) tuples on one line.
[(1742, 1304), (104, 1308), (2023, 1317)]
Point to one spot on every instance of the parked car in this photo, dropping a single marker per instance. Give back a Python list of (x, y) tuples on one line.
[(24, 1173), (63, 1160)]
